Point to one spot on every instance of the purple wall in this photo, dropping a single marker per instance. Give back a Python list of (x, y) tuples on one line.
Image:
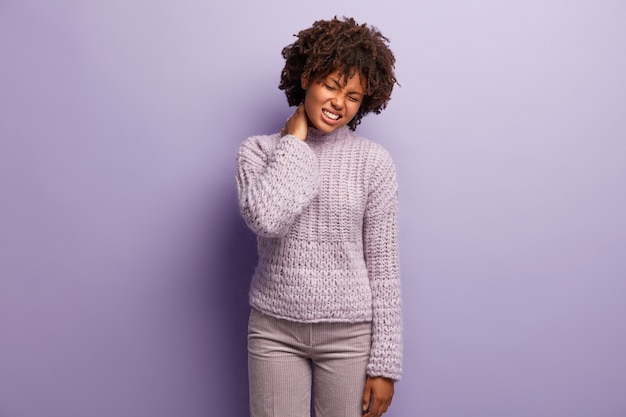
[(124, 265)]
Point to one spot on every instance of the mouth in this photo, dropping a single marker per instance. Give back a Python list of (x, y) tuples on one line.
[(330, 116)]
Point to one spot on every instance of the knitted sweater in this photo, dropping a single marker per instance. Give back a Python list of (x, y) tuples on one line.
[(325, 214)]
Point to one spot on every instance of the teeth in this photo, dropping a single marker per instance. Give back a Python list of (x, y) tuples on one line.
[(331, 115)]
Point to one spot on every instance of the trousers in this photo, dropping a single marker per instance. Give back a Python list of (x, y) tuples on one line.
[(288, 362)]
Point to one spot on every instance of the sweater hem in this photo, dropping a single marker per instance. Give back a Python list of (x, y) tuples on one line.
[(314, 320)]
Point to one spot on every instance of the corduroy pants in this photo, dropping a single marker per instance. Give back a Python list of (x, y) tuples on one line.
[(288, 360)]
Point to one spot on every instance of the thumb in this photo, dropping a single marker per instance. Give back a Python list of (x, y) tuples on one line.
[(366, 397)]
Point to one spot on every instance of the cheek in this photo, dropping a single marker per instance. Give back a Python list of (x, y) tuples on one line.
[(354, 108)]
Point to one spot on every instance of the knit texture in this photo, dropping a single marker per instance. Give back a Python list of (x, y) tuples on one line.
[(325, 214)]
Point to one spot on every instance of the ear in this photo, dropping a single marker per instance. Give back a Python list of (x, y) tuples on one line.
[(304, 82)]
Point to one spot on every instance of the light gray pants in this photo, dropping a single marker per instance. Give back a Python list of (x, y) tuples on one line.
[(285, 357)]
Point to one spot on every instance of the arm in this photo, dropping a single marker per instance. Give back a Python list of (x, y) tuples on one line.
[(380, 241), (275, 185)]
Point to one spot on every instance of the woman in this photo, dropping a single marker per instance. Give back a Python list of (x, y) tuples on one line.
[(325, 294)]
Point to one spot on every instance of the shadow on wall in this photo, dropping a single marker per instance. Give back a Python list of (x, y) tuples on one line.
[(235, 258)]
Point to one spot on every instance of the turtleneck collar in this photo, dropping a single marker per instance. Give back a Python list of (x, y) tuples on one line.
[(316, 135)]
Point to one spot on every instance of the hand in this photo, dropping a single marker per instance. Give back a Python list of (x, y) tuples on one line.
[(377, 396), (297, 124)]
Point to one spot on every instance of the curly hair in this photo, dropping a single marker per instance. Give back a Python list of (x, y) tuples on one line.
[(343, 45)]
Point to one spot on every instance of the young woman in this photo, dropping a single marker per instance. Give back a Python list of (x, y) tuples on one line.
[(325, 295)]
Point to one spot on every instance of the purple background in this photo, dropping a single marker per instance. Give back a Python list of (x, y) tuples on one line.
[(124, 263)]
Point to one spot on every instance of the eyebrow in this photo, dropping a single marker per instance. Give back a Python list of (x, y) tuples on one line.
[(336, 81)]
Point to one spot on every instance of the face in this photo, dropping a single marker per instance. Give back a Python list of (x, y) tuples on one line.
[(332, 102)]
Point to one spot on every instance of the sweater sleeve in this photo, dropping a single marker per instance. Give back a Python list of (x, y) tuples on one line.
[(380, 242), (275, 184)]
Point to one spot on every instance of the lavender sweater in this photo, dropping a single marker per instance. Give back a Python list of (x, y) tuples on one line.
[(325, 213)]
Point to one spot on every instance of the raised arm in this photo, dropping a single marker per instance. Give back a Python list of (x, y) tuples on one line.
[(275, 182)]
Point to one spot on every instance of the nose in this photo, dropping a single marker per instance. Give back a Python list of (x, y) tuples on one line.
[(337, 101)]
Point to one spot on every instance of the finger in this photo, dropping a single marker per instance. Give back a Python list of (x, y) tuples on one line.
[(301, 112), (366, 399), (371, 413), (379, 407), (382, 409), (375, 407)]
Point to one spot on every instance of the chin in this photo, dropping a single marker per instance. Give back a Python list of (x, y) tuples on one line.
[(322, 127)]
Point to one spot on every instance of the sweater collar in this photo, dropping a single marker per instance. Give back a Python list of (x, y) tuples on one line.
[(316, 135)]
